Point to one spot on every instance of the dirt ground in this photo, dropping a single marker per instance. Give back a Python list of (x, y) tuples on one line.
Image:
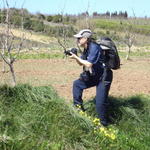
[(133, 77)]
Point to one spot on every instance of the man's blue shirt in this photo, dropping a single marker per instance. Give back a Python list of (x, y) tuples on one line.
[(94, 55)]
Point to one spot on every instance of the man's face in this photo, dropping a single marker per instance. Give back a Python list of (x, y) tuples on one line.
[(82, 41)]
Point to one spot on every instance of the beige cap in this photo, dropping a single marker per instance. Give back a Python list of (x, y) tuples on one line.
[(84, 33)]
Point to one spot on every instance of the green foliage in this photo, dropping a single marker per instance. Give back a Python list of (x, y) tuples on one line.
[(57, 18), (41, 16), (66, 19), (59, 31), (36, 118), (112, 34), (37, 26), (49, 18), (27, 23), (16, 20), (2, 17)]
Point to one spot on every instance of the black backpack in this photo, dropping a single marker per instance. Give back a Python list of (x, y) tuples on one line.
[(111, 57)]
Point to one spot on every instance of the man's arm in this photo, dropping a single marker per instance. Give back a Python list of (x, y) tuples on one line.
[(81, 61)]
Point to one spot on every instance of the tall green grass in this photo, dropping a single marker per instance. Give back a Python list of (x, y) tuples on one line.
[(36, 118)]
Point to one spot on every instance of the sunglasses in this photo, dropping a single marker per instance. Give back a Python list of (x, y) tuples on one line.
[(78, 38)]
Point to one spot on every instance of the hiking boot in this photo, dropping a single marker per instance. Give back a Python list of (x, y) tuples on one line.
[(79, 107), (104, 123)]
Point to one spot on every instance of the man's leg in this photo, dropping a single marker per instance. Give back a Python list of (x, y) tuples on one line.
[(102, 91), (78, 87)]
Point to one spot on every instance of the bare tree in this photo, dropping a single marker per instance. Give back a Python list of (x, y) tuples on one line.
[(129, 39), (10, 45), (22, 15), (2, 48), (62, 40), (87, 16), (130, 35), (85, 23), (86, 20)]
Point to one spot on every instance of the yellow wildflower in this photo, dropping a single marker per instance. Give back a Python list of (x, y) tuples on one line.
[(78, 106), (102, 129), (112, 136), (96, 121), (81, 112)]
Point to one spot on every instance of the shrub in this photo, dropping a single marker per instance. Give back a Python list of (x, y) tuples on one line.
[(56, 31), (57, 18), (16, 20), (37, 26), (27, 24), (49, 18), (2, 17), (41, 16)]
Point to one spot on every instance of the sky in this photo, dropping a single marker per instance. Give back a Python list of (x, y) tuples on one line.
[(138, 8)]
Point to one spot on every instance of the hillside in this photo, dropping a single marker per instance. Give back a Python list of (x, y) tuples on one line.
[(36, 118)]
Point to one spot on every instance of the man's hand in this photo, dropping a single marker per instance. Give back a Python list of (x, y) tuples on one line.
[(81, 61), (73, 56)]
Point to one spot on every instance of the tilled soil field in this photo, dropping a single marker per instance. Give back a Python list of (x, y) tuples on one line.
[(133, 77)]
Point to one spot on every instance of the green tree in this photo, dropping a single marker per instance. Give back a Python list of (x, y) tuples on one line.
[(16, 20), (2, 16), (41, 16), (27, 23), (49, 18), (57, 18), (37, 26)]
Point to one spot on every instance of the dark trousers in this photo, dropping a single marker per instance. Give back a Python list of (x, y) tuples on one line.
[(102, 89)]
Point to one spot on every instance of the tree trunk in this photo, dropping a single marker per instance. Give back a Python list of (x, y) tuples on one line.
[(3, 63), (128, 53), (3, 66), (13, 75)]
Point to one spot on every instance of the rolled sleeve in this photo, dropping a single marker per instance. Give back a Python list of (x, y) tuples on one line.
[(94, 53)]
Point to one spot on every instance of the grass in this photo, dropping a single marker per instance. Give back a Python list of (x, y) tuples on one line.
[(135, 54), (50, 54), (61, 55), (35, 118), (41, 55), (119, 25)]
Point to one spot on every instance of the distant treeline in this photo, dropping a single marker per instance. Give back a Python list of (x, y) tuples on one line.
[(58, 25), (38, 22), (108, 14)]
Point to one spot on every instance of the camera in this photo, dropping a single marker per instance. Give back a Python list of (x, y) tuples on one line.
[(73, 50)]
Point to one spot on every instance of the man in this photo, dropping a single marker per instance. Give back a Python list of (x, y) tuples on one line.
[(94, 74)]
